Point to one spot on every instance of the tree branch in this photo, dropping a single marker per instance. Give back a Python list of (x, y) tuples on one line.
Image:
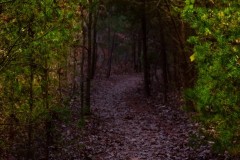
[(7, 2)]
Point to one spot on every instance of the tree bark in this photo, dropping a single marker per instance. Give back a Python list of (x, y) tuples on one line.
[(89, 60), (48, 122), (82, 71), (94, 52), (111, 56), (111, 43), (134, 53), (30, 102), (145, 54), (139, 54), (164, 66), (31, 98), (74, 71)]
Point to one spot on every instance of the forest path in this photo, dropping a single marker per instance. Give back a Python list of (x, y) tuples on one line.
[(128, 126)]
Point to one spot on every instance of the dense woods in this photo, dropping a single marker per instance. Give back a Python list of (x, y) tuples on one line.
[(52, 51)]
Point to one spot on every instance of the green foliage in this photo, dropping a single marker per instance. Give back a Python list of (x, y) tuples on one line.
[(35, 38), (216, 52)]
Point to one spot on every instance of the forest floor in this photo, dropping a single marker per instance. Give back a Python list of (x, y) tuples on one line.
[(126, 125)]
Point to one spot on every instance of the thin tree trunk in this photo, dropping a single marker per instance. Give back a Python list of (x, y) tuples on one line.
[(109, 49), (74, 70), (31, 101), (48, 121), (82, 71), (59, 82), (164, 66), (145, 54), (134, 56), (184, 57), (110, 58), (12, 118), (30, 153), (94, 56), (139, 54), (89, 59)]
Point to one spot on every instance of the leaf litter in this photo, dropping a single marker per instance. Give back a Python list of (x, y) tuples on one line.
[(125, 125)]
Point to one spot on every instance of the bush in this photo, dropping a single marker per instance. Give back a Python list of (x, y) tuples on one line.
[(216, 94)]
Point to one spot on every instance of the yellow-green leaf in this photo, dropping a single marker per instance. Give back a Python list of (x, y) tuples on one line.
[(192, 57)]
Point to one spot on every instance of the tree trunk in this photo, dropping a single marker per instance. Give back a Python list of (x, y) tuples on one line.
[(60, 72), (31, 98), (74, 71), (145, 54), (89, 60), (30, 102), (12, 118), (48, 122), (110, 57), (111, 42), (94, 56), (82, 71), (134, 53), (139, 53), (164, 66)]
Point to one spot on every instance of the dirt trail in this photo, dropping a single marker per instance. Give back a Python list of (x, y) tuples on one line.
[(130, 127)]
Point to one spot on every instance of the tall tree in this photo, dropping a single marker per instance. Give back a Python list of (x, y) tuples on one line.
[(145, 49), (94, 46), (164, 66), (83, 51), (89, 56)]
